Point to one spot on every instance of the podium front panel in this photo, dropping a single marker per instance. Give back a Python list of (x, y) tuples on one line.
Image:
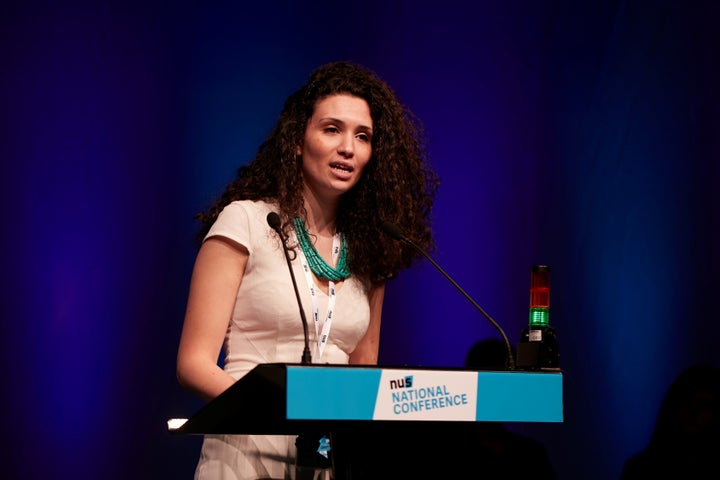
[(290, 398), (394, 394)]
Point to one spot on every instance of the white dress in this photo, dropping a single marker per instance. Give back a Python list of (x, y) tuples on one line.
[(266, 328)]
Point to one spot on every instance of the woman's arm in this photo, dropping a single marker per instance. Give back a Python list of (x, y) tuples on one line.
[(216, 277), (366, 351)]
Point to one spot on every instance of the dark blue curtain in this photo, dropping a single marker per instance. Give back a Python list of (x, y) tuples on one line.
[(582, 135)]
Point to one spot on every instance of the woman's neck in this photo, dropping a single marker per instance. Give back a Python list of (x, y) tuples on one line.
[(321, 215)]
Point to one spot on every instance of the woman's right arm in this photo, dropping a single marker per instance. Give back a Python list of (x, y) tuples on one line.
[(216, 277)]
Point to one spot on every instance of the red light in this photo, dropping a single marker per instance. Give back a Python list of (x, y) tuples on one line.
[(540, 286)]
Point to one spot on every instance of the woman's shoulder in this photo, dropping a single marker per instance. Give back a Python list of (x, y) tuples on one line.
[(251, 205), (238, 219), (250, 208)]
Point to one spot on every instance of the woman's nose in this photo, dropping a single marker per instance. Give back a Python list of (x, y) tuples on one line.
[(347, 148)]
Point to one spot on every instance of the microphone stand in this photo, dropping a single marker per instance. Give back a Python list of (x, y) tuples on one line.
[(395, 232), (273, 220)]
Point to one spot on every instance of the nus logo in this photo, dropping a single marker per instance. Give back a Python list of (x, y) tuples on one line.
[(405, 382)]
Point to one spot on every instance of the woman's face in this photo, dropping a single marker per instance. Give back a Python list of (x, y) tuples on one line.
[(336, 146)]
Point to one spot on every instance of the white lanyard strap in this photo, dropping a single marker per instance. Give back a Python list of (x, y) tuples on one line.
[(321, 337)]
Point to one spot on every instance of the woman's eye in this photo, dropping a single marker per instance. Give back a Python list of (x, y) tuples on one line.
[(331, 129)]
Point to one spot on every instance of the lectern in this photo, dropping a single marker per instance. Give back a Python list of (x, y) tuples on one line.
[(376, 414)]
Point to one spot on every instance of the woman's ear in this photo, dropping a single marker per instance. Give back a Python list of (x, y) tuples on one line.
[(298, 150)]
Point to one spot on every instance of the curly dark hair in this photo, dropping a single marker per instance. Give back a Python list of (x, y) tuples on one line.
[(397, 185)]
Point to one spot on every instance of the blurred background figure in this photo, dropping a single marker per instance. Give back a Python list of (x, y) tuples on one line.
[(685, 440), (488, 354)]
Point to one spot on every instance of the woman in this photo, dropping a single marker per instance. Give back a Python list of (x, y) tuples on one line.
[(344, 156)]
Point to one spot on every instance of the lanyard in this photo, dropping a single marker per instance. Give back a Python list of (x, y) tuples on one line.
[(322, 337)]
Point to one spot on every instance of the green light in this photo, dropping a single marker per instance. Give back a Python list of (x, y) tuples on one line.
[(539, 317)]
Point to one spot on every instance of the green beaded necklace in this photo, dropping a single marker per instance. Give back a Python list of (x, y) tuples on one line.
[(317, 264)]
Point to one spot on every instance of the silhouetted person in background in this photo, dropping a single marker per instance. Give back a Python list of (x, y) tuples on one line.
[(490, 449), (488, 354), (685, 442)]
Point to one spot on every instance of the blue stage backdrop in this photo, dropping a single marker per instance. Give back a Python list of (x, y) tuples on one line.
[(581, 135)]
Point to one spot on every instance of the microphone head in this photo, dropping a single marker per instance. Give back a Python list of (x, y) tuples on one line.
[(273, 219), (392, 230)]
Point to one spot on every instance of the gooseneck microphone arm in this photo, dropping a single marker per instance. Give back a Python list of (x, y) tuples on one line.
[(397, 234), (273, 219)]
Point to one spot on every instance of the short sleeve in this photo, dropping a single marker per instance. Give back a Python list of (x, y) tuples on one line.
[(233, 222)]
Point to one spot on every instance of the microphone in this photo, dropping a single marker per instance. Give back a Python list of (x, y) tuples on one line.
[(273, 219), (395, 232)]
